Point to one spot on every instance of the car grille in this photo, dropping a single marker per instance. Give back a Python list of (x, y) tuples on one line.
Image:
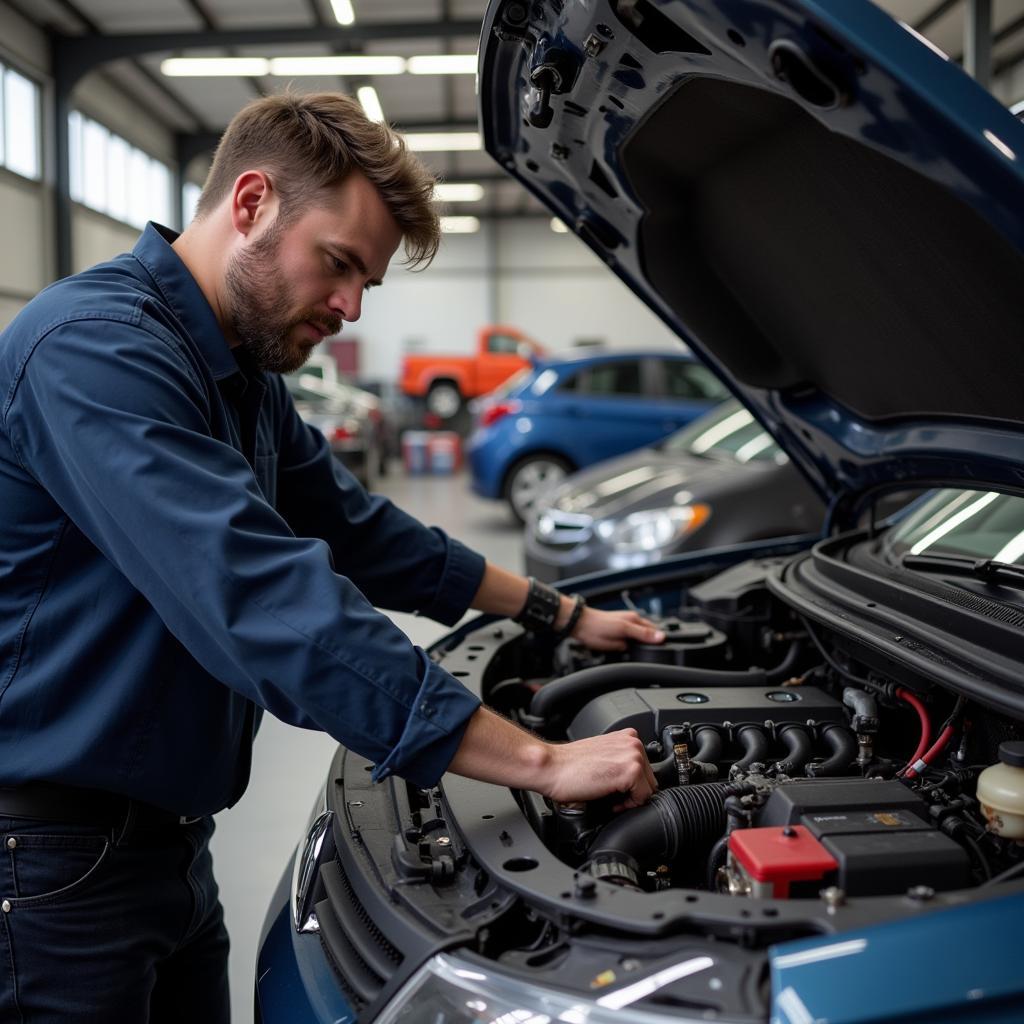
[(557, 529), (362, 957)]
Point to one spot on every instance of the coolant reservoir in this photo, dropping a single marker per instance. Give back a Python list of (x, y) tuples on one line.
[(1001, 791)]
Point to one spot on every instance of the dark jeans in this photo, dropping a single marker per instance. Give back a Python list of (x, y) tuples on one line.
[(112, 926)]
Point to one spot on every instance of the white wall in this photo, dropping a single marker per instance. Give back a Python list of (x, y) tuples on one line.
[(511, 272)]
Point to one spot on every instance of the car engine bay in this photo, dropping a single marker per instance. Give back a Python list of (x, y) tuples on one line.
[(786, 770)]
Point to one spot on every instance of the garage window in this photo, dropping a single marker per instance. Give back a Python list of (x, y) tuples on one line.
[(19, 124), (112, 176)]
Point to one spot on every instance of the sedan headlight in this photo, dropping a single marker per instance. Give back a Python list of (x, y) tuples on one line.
[(457, 992), (652, 529)]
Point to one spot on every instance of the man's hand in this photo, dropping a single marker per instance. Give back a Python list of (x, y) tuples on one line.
[(597, 766), (609, 631), (493, 749)]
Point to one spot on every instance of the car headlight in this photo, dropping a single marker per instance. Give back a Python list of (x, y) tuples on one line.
[(458, 992), (652, 529)]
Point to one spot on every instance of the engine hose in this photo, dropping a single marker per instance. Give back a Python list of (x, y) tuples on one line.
[(703, 759), (797, 741), (563, 696), (782, 671), (716, 860), (682, 819), (755, 746), (843, 745)]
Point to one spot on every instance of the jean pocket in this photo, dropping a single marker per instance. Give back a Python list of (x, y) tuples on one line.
[(45, 869)]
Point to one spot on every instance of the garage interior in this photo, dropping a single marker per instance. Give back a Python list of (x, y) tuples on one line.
[(94, 105)]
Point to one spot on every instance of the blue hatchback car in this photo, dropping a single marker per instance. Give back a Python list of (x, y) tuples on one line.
[(832, 215), (564, 414)]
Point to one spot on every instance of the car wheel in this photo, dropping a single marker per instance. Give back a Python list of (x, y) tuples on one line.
[(444, 399), (531, 477)]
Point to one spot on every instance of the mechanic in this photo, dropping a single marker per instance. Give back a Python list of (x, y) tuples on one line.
[(179, 552)]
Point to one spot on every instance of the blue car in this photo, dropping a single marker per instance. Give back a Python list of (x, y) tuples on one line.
[(832, 216), (564, 414)]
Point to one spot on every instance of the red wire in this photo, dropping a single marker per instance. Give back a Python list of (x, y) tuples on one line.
[(936, 749), (926, 727)]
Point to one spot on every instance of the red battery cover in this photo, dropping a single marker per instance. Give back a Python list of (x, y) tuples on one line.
[(781, 856)]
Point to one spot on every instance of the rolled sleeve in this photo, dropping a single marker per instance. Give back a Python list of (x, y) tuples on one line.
[(460, 580), (433, 731)]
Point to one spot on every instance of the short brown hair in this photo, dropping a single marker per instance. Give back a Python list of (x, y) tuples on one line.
[(311, 143)]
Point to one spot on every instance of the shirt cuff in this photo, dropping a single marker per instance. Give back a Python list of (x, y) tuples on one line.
[(433, 730), (460, 580)]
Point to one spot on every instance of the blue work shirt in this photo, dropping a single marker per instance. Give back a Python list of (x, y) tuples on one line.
[(179, 551)]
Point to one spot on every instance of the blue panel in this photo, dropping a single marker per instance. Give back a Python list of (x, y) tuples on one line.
[(294, 982), (965, 964)]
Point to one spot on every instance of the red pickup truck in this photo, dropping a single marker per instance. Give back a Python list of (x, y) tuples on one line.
[(446, 382)]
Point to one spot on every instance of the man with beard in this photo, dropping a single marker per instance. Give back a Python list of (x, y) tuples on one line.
[(179, 553)]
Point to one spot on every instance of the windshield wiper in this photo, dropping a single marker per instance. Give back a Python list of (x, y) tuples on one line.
[(983, 568)]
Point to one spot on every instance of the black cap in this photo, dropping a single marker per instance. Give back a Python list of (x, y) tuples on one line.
[(1012, 752)]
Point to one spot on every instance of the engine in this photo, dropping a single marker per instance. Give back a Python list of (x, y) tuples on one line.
[(782, 772)]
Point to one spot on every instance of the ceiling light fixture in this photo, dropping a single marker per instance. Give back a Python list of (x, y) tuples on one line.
[(460, 225), (442, 142), (444, 64), (214, 67), (343, 11), (357, 65), (458, 192), (370, 102)]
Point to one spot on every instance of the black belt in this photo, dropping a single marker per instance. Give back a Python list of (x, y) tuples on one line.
[(48, 801)]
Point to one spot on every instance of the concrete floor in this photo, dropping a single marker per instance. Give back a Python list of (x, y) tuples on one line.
[(255, 839)]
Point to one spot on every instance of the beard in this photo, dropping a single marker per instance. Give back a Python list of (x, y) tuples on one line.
[(259, 302)]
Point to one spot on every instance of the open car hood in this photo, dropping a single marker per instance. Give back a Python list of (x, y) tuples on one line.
[(815, 200)]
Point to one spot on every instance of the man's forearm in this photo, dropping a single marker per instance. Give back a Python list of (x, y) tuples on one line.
[(493, 749), (504, 593)]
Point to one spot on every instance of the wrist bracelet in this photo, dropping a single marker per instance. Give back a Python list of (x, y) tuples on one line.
[(541, 607), (579, 603)]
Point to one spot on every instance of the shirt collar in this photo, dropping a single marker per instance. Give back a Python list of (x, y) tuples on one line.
[(185, 297)]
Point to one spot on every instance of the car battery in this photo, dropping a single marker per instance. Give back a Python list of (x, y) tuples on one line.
[(879, 833), (779, 862), (445, 452)]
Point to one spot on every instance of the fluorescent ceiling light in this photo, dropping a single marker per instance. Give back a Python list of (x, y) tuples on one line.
[(458, 193), (370, 102), (460, 225), (444, 64), (214, 67), (337, 65), (559, 226), (343, 11), (441, 142)]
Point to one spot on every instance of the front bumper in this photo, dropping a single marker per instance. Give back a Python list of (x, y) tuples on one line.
[(294, 980)]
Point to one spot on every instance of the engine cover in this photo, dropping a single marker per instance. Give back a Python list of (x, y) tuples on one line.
[(650, 711)]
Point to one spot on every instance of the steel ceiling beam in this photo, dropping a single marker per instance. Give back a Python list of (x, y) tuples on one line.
[(926, 21), (978, 41), (81, 54)]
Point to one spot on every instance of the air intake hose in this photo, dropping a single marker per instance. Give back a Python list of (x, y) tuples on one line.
[(685, 819)]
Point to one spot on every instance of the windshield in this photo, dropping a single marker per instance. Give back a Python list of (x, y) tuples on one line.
[(728, 432), (965, 524)]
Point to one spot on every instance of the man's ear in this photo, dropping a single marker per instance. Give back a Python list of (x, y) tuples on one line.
[(252, 200)]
